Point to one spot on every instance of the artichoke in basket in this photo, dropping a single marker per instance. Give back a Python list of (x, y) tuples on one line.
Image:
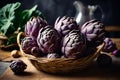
[(48, 40), (29, 46), (110, 46), (74, 44), (34, 25), (65, 24), (94, 31)]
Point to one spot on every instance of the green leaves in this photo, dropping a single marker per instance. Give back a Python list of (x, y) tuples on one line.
[(12, 18), (27, 14), (7, 17), (11, 40)]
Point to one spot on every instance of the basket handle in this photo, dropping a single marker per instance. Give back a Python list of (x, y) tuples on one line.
[(97, 53), (18, 41)]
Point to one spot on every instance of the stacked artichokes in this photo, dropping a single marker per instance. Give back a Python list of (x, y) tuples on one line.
[(65, 39)]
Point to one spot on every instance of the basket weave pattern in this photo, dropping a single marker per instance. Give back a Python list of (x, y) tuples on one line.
[(60, 65)]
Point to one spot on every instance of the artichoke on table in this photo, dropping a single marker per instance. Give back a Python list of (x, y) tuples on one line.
[(18, 66)]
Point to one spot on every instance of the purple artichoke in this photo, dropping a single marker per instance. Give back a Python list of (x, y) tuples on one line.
[(94, 32), (18, 66), (65, 25), (74, 44), (116, 53), (48, 40), (110, 46), (34, 25), (29, 46)]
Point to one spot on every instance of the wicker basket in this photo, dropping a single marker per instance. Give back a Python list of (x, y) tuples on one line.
[(60, 65), (10, 47)]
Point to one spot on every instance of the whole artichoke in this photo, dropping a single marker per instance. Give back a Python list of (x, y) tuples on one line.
[(29, 46), (110, 46), (74, 44), (18, 66), (94, 31), (65, 24), (34, 25), (48, 40)]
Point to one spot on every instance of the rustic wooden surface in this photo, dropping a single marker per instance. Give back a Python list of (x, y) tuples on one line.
[(4, 54), (112, 28), (91, 73)]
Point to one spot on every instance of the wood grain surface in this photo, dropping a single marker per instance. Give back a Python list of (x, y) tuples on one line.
[(91, 73)]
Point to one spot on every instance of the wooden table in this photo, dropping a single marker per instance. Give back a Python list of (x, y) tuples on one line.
[(93, 72), (3, 67)]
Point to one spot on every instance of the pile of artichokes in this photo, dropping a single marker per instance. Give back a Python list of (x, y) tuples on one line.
[(65, 40)]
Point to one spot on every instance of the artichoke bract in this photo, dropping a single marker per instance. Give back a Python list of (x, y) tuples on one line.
[(94, 31), (34, 25), (74, 44), (65, 24), (29, 46), (110, 46), (48, 40), (53, 55)]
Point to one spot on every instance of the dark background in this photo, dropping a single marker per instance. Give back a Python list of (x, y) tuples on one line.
[(54, 8)]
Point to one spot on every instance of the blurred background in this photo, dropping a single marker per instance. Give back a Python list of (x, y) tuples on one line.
[(55, 8)]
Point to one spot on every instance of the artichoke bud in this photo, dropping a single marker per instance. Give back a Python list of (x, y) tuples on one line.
[(65, 24), (28, 44), (74, 44), (48, 40), (110, 46), (94, 31), (34, 25)]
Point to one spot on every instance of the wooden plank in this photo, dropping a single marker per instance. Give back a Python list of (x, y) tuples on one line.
[(112, 28), (4, 54), (117, 41), (91, 73)]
